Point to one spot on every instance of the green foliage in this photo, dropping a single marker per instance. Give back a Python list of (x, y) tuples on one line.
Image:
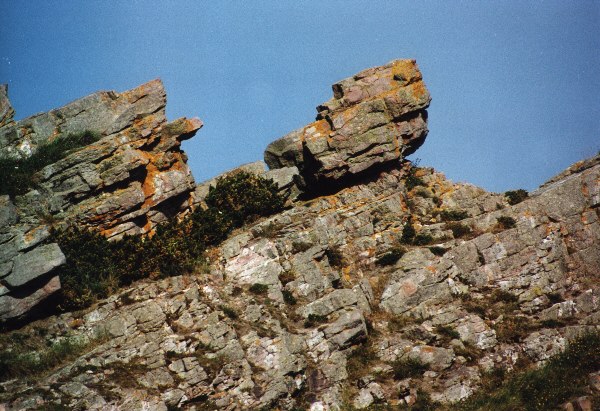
[(454, 215), (229, 312), (516, 196), (17, 175), (96, 267), (359, 361), (513, 329), (459, 230), (21, 361), (408, 367), (288, 297), (314, 319), (437, 250), (422, 239), (243, 197), (563, 377), (408, 234), (391, 257), (505, 222), (413, 181), (447, 332), (259, 289), (335, 257)]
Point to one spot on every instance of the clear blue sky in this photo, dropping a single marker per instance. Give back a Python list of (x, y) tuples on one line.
[(515, 84)]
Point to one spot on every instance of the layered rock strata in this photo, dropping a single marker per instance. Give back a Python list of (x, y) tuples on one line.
[(130, 180), (207, 341), (375, 117)]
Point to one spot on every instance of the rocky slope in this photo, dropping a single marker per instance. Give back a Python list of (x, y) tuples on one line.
[(336, 302)]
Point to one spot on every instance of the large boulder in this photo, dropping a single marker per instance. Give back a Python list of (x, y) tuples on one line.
[(375, 117)]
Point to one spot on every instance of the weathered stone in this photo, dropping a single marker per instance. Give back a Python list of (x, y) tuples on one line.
[(34, 264), (14, 306), (373, 119), (6, 111), (8, 212)]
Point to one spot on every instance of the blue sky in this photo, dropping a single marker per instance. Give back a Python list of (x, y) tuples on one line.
[(515, 84)]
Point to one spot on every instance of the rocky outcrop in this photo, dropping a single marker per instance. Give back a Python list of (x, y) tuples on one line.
[(463, 305), (6, 111), (375, 117), (129, 181), (370, 296)]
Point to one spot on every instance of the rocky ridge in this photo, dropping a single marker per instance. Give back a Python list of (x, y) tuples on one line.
[(130, 180), (319, 306)]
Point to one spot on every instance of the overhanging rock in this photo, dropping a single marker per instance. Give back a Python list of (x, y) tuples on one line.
[(375, 117)]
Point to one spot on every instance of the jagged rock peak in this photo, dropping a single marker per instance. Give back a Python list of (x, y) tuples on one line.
[(131, 179), (375, 117)]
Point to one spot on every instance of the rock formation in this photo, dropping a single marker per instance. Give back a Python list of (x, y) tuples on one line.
[(375, 117), (405, 267), (133, 178)]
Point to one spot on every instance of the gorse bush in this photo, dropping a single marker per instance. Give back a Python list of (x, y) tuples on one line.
[(516, 196), (17, 176), (97, 267), (454, 215), (244, 197)]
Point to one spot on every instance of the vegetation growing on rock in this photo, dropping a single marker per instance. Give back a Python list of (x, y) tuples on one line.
[(17, 175), (97, 267)]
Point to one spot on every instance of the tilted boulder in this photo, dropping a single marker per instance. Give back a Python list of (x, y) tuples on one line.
[(134, 177), (375, 117)]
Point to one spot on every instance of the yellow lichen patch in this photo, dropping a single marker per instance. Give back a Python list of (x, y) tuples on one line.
[(317, 130), (418, 90), (406, 70), (431, 269)]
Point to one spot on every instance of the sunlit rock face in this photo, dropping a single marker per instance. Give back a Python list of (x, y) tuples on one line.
[(329, 303), (375, 117), (130, 180)]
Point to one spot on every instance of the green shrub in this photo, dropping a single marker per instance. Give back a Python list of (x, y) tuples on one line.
[(408, 367), (454, 215), (459, 230), (314, 319), (505, 222), (258, 289), (26, 364), (335, 257), (288, 297), (408, 234), (563, 377), (447, 332), (422, 239), (391, 257), (512, 329), (17, 175), (360, 360), (243, 197), (516, 196), (437, 250), (413, 181), (96, 267), (229, 312)]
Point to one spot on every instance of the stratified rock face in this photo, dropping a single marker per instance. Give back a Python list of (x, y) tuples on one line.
[(130, 180), (453, 305), (6, 110), (375, 117)]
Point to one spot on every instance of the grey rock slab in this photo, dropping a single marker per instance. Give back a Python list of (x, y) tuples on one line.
[(8, 212), (35, 263), (13, 306)]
